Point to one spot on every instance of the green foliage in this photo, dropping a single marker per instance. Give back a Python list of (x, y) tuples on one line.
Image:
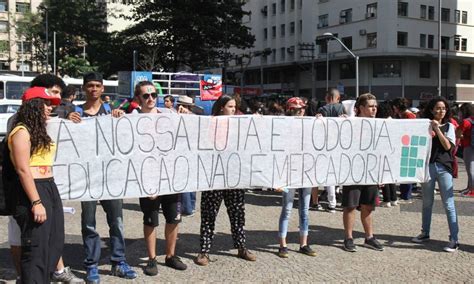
[(191, 33), (4, 46), (75, 66)]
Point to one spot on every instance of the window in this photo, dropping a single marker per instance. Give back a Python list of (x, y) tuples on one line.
[(4, 46), (423, 11), (445, 14), (347, 41), (347, 70), (265, 10), (25, 66), (282, 6), (444, 42), (22, 7), (282, 53), (300, 4), (431, 13), (301, 27), (425, 69), (323, 21), (3, 6), (464, 17), (265, 33), (444, 70), (292, 4), (282, 30), (402, 39), (465, 72), (321, 72), (422, 40), (464, 44), (403, 9), (457, 43), (387, 69), (345, 16), (371, 11), (457, 16), (323, 47), (274, 32), (3, 27), (292, 28), (274, 9), (372, 40), (274, 51), (26, 46), (430, 41)]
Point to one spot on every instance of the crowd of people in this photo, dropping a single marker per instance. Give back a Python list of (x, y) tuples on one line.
[(36, 231)]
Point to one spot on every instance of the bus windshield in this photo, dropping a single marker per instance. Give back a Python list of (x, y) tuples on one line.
[(16, 89)]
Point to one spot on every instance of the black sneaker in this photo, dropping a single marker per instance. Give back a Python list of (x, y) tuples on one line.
[(151, 268), (373, 244), (349, 245), (175, 262), (307, 250), (283, 252)]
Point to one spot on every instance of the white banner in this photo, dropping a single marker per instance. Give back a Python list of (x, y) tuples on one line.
[(149, 154)]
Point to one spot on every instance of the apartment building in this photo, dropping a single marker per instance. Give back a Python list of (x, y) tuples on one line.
[(12, 56), (397, 42)]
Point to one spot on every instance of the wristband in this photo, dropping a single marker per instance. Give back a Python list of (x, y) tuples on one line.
[(36, 202)]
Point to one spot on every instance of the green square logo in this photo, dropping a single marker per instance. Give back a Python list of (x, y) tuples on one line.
[(412, 163), (414, 140), (419, 163), (403, 172), (405, 151), (412, 172), (404, 162), (422, 141), (413, 152)]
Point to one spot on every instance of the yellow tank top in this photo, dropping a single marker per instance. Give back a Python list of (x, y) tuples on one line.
[(41, 157)]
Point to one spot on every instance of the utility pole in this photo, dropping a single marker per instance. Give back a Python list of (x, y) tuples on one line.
[(439, 47), (47, 41), (308, 51)]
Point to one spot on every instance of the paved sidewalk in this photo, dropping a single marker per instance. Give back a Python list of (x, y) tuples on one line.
[(402, 261)]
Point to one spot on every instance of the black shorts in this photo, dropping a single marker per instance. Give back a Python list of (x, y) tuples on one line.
[(356, 195), (171, 209)]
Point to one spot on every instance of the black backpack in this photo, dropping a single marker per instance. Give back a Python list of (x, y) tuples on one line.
[(9, 183)]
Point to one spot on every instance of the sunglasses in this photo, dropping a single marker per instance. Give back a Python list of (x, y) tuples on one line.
[(147, 96)]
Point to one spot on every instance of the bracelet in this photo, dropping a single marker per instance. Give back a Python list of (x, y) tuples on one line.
[(36, 202)]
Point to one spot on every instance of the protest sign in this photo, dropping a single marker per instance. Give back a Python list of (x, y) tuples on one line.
[(148, 154)]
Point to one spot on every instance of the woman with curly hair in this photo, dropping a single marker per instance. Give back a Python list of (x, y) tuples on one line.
[(39, 211)]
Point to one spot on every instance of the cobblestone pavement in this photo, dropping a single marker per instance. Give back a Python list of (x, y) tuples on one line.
[(402, 261)]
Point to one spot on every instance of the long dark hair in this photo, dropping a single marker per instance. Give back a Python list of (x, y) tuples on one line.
[(220, 103), (467, 110), (427, 112), (31, 114)]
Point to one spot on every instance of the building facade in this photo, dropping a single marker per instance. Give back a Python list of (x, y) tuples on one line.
[(396, 41)]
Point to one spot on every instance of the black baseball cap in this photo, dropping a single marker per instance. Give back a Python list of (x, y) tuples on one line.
[(93, 76)]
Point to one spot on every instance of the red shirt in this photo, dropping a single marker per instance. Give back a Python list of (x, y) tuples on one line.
[(466, 127)]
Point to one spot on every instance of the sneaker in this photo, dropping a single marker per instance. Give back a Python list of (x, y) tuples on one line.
[(283, 252), (331, 209), (188, 215), (246, 254), (386, 204), (451, 247), (92, 275), (307, 250), (394, 203), (151, 268), (349, 245), (175, 262), (466, 190), (423, 237), (469, 193), (373, 243), (202, 259), (66, 277), (123, 270), (405, 201), (316, 207)]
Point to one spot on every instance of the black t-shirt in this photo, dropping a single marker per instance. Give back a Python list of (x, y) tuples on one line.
[(332, 110), (102, 111), (438, 153)]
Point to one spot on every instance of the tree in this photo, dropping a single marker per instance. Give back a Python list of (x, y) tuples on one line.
[(75, 66), (196, 34)]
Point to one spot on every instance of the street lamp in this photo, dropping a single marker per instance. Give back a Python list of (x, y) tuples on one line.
[(330, 36), (446, 63)]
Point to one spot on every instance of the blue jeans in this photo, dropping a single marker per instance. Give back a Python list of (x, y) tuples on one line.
[(405, 191), (90, 237), (188, 203), (439, 173), (304, 197)]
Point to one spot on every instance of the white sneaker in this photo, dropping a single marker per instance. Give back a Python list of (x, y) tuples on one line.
[(451, 247), (385, 204), (394, 203)]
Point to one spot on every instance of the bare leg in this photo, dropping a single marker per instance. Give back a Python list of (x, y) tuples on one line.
[(314, 195), (60, 265), (150, 240), (366, 218), (171, 235), (348, 218), (303, 240)]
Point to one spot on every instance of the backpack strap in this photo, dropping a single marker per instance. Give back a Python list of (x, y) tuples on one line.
[(79, 109)]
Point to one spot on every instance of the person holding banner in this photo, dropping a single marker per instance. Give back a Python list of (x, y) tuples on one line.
[(94, 106), (233, 199), (39, 212), (441, 168), (295, 107), (145, 93), (361, 196)]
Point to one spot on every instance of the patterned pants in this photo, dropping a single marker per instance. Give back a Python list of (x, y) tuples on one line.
[(210, 203)]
